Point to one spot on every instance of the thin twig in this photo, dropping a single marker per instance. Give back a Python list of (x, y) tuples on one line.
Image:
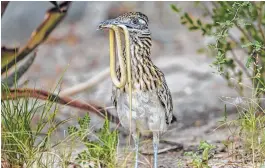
[(237, 43), (229, 34), (205, 7), (240, 63), (214, 4), (243, 31), (260, 21), (240, 28)]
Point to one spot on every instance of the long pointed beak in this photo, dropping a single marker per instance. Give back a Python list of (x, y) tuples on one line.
[(107, 24)]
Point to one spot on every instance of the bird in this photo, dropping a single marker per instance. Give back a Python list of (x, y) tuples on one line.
[(152, 106)]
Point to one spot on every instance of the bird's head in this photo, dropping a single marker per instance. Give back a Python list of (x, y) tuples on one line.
[(136, 22), (137, 25)]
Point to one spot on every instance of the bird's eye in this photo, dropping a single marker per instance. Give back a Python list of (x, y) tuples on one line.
[(135, 21)]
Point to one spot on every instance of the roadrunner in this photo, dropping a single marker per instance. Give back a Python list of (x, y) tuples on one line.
[(151, 108)]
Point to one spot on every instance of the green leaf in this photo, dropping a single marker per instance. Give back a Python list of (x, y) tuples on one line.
[(199, 22), (72, 129), (256, 44), (249, 61), (174, 8), (188, 154), (193, 28), (247, 45), (84, 122), (186, 15), (183, 22)]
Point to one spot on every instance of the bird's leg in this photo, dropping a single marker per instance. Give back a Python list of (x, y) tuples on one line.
[(155, 144), (136, 145)]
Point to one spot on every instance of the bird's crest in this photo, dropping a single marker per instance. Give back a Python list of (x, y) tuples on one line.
[(132, 15)]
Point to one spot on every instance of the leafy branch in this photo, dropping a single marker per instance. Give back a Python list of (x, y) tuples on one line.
[(245, 18)]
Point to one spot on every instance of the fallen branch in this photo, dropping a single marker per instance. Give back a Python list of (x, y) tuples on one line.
[(44, 95), (86, 85)]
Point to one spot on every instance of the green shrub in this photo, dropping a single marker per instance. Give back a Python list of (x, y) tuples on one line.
[(234, 57), (237, 57), (100, 152)]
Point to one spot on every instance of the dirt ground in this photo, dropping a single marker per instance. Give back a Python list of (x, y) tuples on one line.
[(173, 148)]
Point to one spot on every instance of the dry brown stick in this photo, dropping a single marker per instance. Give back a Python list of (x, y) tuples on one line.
[(241, 65), (44, 95)]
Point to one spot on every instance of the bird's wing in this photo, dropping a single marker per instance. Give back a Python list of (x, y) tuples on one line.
[(166, 100)]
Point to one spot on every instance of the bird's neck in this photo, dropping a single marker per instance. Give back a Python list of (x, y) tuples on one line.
[(140, 48), (145, 75)]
